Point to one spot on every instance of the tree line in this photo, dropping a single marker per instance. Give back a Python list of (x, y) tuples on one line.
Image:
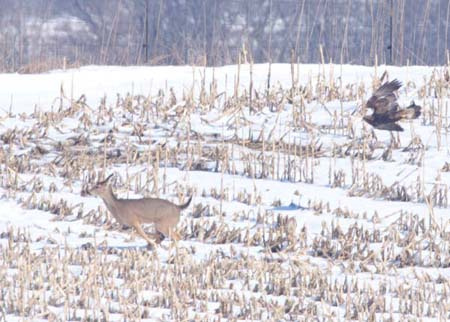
[(44, 34)]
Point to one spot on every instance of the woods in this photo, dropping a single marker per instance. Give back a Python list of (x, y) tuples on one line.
[(46, 34)]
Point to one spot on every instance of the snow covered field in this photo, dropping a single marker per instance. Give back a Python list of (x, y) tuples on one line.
[(300, 209)]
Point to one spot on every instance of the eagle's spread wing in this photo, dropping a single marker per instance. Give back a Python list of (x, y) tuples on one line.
[(384, 99)]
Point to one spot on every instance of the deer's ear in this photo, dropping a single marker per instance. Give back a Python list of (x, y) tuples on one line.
[(107, 179)]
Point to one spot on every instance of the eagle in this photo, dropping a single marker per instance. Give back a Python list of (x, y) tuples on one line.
[(386, 112)]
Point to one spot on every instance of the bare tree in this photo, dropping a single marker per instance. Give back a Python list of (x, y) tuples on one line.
[(44, 32)]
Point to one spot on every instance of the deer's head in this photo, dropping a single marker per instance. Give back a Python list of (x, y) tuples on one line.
[(101, 188)]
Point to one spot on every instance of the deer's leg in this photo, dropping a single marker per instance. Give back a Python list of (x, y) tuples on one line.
[(175, 235), (141, 232), (167, 230)]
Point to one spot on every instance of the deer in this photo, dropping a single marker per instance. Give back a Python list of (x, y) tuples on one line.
[(164, 214)]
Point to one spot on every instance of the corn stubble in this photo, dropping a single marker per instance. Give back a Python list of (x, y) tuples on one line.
[(281, 278)]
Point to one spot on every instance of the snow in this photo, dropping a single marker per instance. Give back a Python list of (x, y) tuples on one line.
[(23, 92), (249, 194)]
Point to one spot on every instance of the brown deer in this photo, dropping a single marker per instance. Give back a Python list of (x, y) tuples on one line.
[(134, 212)]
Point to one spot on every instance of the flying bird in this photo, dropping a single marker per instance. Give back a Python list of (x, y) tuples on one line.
[(386, 112)]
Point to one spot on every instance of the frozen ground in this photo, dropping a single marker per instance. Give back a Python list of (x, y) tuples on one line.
[(300, 210)]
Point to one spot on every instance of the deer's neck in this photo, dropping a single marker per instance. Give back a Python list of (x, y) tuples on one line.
[(110, 199)]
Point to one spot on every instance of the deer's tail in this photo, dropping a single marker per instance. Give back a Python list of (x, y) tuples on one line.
[(185, 205)]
